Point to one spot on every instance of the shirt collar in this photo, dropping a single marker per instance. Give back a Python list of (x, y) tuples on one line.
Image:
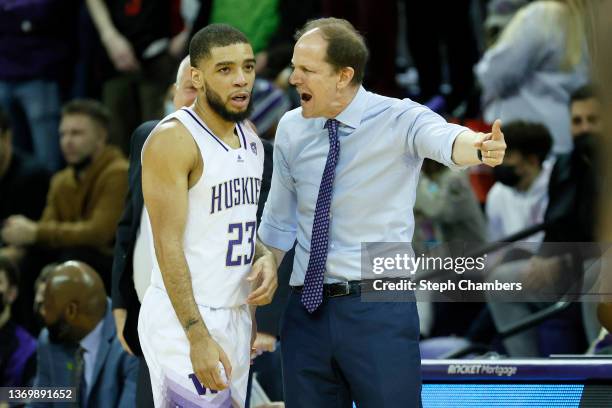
[(352, 114), (91, 342)]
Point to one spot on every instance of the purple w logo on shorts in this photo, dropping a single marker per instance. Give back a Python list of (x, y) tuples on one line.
[(199, 387)]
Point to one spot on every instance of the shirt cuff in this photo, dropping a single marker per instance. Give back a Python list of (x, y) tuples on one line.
[(276, 238), (448, 149)]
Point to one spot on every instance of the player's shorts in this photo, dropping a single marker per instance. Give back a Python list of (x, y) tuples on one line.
[(166, 351)]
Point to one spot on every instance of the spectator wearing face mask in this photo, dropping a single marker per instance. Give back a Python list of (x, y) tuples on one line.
[(574, 175), (519, 197), (574, 187)]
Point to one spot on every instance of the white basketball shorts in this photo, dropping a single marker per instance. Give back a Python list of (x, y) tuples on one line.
[(166, 351)]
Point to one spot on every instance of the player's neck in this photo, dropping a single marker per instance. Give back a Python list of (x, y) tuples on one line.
[(222, 128)]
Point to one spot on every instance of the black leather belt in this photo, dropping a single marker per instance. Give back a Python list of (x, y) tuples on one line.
[(341, 288)]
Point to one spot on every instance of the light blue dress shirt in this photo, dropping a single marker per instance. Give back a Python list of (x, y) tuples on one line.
[(382, 145), (91, 344)]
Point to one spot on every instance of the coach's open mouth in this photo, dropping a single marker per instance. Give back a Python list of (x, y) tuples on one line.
[(305, 96)]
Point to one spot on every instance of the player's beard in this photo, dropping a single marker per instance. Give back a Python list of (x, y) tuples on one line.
[(216, 104)]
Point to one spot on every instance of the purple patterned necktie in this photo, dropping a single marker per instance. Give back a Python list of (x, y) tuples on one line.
[(312, 293)]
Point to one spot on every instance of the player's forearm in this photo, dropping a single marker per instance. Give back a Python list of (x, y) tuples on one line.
[(464, 151), (177, 280)]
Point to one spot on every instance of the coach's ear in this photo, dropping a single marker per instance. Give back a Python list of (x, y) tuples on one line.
[(346, 75)]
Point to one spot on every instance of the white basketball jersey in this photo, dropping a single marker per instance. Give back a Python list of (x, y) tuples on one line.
[(220, 233)]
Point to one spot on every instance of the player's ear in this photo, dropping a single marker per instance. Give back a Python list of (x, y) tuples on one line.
[(197, 77)]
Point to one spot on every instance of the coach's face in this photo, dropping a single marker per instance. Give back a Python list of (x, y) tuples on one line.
[(184, 93), (316, 80), (226, 79)]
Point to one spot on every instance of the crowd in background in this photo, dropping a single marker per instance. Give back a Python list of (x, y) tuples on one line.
[(78, 77)]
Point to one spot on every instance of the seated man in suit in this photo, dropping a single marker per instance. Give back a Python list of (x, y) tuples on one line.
[(79, 348)]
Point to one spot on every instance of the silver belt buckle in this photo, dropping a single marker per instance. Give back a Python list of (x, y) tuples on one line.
[(346, 291)]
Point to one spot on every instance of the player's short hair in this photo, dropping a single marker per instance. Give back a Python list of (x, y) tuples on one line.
[(9, 269), (528, 139), (346, 47), (211, 36), (5, 123), (583, 93), (90, 107)]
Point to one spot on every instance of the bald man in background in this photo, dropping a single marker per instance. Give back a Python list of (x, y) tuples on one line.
[(132, 261), (78, 346)]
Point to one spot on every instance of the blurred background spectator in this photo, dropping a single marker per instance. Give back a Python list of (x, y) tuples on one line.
[(17, 346), (446, 213), (573, 189), (538, 61), (24, 183), (499, 14), (442, 31), (83, 205), (445, 197), (37, 57), (138, 37), (519, 197)]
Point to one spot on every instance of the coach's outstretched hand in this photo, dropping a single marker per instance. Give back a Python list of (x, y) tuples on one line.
[(264, 280), (205, 354), (492, 146)]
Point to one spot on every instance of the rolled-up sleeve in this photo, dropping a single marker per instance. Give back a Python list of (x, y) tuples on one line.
[(429, 135), (279, 222)]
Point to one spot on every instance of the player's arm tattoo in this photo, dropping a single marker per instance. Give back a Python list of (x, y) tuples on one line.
[(189, 323)]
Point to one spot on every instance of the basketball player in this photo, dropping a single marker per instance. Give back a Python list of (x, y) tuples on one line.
[(201, 176)]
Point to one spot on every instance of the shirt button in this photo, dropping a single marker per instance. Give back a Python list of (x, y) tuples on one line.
[(332, 246)]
